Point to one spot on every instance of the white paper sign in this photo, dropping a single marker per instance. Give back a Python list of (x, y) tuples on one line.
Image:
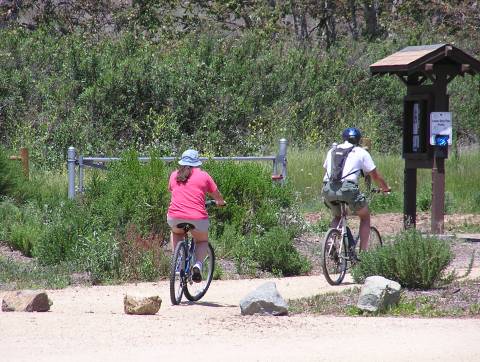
[(440, 124)]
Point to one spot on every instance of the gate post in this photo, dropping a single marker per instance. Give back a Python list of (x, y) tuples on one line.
[(71, 161), (282, 157)]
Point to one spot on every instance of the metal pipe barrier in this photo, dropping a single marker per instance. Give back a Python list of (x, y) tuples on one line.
[(279, 161)]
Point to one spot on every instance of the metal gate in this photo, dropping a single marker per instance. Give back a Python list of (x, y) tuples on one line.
[(76, 165)]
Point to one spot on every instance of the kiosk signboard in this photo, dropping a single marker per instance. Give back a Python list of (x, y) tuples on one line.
[(440, 128)]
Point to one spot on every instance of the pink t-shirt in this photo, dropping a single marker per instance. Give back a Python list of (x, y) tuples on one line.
[(188, 199)]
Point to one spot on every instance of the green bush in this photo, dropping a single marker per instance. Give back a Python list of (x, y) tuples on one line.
[(116, 229), (260, 221), (11, 177), (275, 252), (413, 260)]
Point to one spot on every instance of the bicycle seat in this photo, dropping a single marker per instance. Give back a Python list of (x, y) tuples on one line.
[(186, 225)]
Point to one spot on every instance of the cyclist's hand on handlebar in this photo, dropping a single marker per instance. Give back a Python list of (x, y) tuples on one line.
[(221, 204)]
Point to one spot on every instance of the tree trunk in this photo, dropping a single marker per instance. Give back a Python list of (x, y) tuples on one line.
[(371, 11)]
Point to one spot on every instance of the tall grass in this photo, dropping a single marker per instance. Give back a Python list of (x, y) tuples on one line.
[(462, 185)]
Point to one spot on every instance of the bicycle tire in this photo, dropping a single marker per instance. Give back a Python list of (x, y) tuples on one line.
[(334, 266), (177, 273), (195, 291), (375, 239)]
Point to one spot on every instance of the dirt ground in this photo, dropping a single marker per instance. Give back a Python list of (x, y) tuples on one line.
[(88, 324)]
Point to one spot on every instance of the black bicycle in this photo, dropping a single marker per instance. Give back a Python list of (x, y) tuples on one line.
[(181, 268), (340, 249)]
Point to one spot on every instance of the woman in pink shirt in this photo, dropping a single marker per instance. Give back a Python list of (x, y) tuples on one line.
[(189, 186)]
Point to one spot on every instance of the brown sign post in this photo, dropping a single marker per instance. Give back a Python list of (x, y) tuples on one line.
[(23, 157), (426, 71)]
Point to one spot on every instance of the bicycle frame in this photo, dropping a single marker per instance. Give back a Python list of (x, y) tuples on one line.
[(342, 227), (189, 261)]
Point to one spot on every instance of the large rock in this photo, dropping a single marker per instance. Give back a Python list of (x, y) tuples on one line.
[(378, 293), (138, 305), (26, 301), (264, 300)]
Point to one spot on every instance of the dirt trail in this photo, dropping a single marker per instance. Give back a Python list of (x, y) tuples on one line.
[(88, 324)]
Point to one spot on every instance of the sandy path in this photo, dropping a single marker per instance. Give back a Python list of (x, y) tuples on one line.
[(88, 324)]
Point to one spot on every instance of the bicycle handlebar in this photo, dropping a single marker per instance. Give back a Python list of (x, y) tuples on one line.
[(378, 191), (212, 203)]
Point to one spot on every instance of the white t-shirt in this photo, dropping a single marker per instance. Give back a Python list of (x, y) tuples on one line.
[(357, 160)]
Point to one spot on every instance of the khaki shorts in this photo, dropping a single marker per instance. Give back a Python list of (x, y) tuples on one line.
[(200, 225), (347, 191)]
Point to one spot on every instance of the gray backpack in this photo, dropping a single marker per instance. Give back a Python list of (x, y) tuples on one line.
[(339, 156)]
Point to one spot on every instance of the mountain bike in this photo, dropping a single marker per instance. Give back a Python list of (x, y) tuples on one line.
[(340, 248), (181, 268)]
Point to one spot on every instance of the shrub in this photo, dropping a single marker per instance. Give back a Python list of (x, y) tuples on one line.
[(275, 252), (258, 225), (415, 261), (11, 176)]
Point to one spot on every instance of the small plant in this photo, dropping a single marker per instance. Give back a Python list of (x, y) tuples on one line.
[(413, 260), (424, 199), (30, 275)]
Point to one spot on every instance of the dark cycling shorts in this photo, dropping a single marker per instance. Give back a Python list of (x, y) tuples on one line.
[(346, 191)]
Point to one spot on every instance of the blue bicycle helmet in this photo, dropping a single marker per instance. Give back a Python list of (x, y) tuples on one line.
[(352, 135)]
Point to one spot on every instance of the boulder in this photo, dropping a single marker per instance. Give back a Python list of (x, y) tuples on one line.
[(264, 300), (26, 301), (140, 305), (378, 293)]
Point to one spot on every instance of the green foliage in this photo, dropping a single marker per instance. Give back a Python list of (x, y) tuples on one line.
[(11, 177), (248, 228), (118, 228), (415, 261), (305, 176), (30, 275)]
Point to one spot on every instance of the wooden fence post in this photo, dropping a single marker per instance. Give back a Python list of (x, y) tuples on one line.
[(25, 161)]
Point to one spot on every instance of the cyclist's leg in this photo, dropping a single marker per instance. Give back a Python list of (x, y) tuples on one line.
[(364, 231), (201, 243), (330, 199), (176, 235), (357, 203)]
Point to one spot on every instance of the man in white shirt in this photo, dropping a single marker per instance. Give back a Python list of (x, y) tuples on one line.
[(344, 165)]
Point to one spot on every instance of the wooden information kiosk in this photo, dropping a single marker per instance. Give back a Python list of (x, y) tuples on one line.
[(427, 123)]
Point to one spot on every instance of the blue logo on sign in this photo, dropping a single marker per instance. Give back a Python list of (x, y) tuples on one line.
[(441, 140)]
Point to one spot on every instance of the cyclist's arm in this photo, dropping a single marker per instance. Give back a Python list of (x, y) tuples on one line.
[(379, 180), (217, 196)]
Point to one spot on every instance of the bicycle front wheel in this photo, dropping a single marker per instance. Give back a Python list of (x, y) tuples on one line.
[(177, 273), (334, 257), (195, 291)]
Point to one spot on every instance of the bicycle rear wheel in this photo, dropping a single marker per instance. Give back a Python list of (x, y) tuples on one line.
[(177, 273), (334, 257), (195, 291), (375, 239)]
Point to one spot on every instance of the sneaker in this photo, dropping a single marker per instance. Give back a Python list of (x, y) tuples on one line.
[(197, 272)]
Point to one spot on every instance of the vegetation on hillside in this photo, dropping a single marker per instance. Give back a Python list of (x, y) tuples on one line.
[(225, 77)]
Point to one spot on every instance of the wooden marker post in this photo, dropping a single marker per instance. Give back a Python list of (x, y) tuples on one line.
[(25, 161)]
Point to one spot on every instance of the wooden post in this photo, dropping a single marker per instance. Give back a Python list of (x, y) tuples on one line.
[(410, 198), (438, 196), (366, 144), (438, 169), (25, 161)]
